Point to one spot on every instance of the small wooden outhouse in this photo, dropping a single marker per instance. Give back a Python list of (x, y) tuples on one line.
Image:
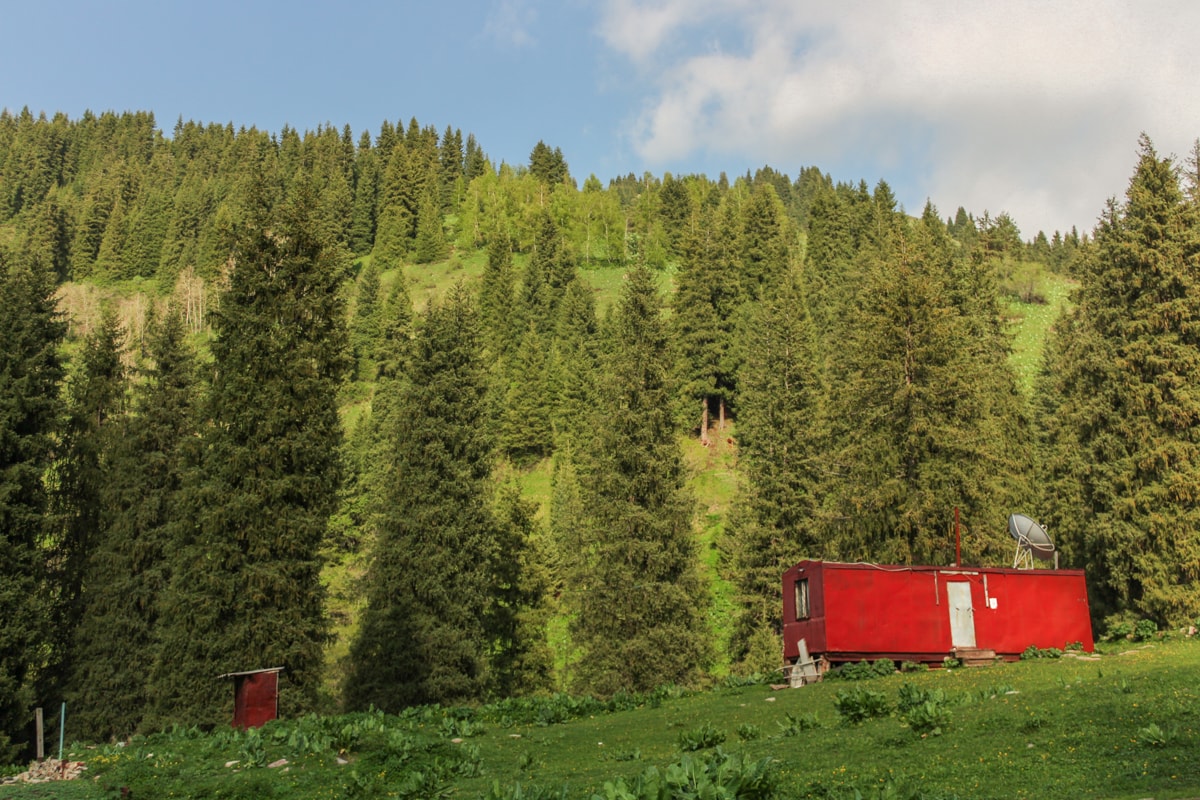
[(255, 696)]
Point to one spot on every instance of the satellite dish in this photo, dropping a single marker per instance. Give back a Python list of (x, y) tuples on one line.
[(1032, 541)]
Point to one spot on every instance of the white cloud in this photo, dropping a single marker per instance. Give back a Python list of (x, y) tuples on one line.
[(1029, 107), (509, 23), (639, 29)]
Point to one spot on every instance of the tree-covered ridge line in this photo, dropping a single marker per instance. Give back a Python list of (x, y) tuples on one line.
[(110, 197), (855, 357)]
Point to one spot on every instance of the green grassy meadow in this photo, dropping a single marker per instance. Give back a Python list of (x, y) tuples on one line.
[(1031, 323), (713, 482), (1124, 725)]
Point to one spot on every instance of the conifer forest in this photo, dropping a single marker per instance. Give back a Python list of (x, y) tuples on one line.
[(421, 428)]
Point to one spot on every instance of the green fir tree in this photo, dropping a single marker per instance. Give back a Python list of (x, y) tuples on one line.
[(31, 330), (366, 190), (245, 589), (573, 364), (638, 604), (780, 447), (706, 308), (423, 636), (764, 239), (366, 328), (526, 432), (496, 296), (96, 402), (126, 572), (921, 408), (1122, 431), (520, 659), (431, 234)]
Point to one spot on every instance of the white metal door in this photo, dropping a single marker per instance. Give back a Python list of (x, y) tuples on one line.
[(962, 615)]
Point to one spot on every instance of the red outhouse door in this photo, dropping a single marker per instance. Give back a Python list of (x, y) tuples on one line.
[(255, 697)]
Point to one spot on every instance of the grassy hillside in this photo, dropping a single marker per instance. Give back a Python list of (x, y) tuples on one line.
[(714, 470), (1124, 725), (1031, 322), (714, 481)]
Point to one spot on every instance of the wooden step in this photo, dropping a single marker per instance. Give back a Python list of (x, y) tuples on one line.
[(974, 656)]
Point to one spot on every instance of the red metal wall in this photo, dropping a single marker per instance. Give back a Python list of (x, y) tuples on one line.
[(255, 700), (812, 630), (869, 611)]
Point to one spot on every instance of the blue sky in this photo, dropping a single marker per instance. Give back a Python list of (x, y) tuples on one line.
[(1027, 106)]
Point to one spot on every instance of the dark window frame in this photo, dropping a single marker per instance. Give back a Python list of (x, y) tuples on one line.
[(803, 605)]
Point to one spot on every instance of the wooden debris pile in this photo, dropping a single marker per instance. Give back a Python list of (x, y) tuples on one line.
[(49, 770)]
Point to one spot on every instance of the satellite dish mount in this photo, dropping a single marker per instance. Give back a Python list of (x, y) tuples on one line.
[(1032, 542)]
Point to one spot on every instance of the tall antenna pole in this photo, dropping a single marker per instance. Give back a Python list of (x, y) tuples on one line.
[(957, 541)]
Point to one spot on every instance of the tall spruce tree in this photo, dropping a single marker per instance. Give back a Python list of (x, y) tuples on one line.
[(245, 587), (430, 243), (675, 210), (763, 240), (148, 220), (368, 449), (366, 190), (30, 332), (705, 307), (547, 165), (396, 333), (566, 524), (398, 197), (96, 401), (520, 659), (553, 248), (450, 170), (1123, 433), (423, 636), (366, 329), (547, 275), (830, 270), (573, 364), (47, 244), (126, 571), (496, 295), (780, 445), (922, 413), (475, 162), (526, 424), (637, 599), (534, 299)]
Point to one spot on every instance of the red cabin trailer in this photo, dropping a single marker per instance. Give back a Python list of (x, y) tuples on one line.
[(851, 612)]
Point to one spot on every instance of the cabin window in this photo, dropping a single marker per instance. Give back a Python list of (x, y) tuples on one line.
[(802, 598)]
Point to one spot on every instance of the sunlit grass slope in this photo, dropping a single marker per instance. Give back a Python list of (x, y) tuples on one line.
[(1124, 725)]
